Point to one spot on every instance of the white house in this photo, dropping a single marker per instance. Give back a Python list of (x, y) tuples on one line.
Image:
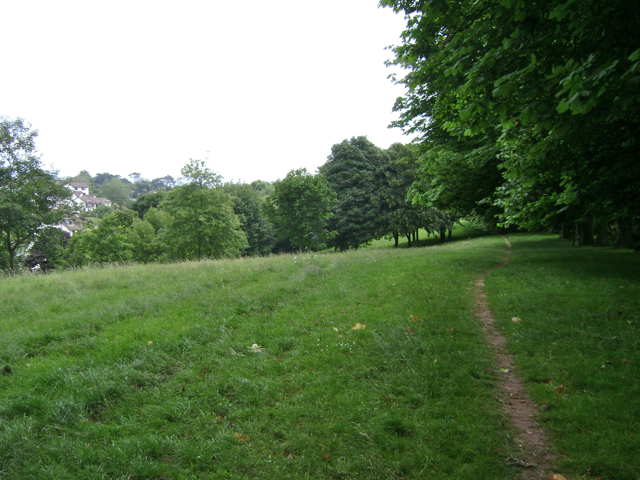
[(78, 187)]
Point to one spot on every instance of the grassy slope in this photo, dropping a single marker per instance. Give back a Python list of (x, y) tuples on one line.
[(91, 397), (580, 327)]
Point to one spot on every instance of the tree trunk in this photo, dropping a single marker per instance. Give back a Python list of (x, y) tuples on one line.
[(622, 236), (443, 234), (450, 230), (603, 237), (12, 260), (12, 253), (588, 230), (409, 239), (414, 236), (396, 236), (417, 233)]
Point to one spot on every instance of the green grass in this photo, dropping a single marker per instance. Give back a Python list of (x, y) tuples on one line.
[(580, 327), (90, 397), (147, 372), (460, 232)]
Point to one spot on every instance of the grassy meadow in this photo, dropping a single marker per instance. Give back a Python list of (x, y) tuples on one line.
[(358, 365), (579, 311)]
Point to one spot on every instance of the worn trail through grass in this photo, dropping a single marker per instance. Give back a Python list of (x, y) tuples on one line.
[(361, 365), (535, 458)]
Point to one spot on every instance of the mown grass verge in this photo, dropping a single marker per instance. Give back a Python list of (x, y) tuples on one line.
[(577, 330), (252, 369)]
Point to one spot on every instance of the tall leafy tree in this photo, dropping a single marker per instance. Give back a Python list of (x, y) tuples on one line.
[(461, 177), (30, 197), (163, 183), (101, 178), (263, 188), (553, 85), (197, 173), (201, 223), (300, 207), (355, 170), (84, 176), (401, 216)]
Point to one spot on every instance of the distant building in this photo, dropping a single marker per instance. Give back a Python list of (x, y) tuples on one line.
[(78, 187), (84, 202), (70, 225), (81, 198)]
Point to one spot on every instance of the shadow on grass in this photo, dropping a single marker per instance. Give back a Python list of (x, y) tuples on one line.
[(609, 263)]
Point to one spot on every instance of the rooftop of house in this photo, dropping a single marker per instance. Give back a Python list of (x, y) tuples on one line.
[(78, 184)]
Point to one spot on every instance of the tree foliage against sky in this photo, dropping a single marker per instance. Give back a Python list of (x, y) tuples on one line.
[(355, 170), (197, 173), (30, 197), (553, 87), (201, 224)]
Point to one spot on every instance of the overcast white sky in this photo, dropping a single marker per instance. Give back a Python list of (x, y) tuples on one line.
[(142, 86)]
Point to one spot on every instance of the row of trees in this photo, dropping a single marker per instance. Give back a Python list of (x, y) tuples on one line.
[(200, 218), (358, 195), (527, 112)]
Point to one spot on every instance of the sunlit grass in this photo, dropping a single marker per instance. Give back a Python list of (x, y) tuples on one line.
[(460, 232)]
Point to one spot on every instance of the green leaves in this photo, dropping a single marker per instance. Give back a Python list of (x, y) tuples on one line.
[(30, 197), (511, 76), (300, 207), (355, 171), (201, 223)]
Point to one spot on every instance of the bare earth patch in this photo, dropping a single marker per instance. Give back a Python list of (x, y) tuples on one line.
[(535, 459)]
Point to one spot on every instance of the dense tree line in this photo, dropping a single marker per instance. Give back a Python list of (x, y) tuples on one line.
[(358, 195), (527, 112)]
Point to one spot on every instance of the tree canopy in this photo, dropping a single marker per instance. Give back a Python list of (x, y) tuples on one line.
[(355, 170), (197, 173), (300, 207), (30, 197), (201, 224), (553, 88), (247, 205)]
